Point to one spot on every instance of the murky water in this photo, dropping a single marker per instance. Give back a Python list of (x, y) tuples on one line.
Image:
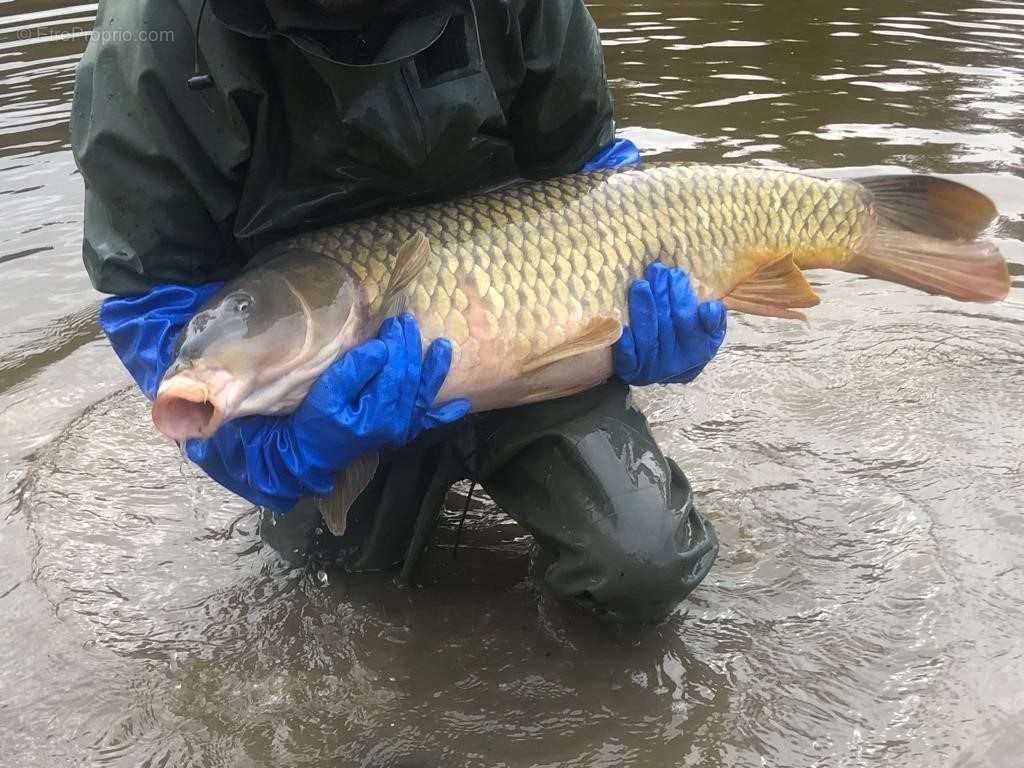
[(866, 473)]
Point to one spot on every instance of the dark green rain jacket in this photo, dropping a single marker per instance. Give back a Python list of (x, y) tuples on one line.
[(308, 124)]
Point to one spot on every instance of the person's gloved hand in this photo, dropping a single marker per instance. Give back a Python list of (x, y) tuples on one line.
[(618, 154), (671, 337), (376, 396)]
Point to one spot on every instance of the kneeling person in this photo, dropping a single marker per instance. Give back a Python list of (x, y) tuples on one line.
[(310, 112)]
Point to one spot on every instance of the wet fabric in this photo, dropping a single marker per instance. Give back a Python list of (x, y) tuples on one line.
[(299, 130), (613, 518)]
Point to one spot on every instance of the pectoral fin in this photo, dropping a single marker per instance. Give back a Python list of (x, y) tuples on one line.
[(599, 333), (775, 290), (348, 484)]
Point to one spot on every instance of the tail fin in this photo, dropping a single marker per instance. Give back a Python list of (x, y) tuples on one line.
[(928, 205), (923, 239), (963, 271)]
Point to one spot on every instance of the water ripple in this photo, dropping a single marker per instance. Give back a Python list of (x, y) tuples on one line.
[(863, 472)]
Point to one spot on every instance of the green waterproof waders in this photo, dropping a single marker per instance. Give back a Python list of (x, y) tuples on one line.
[(613, 517)]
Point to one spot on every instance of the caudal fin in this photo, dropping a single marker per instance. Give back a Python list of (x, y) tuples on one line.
[(963, 271), (925, 239), (928, 205)]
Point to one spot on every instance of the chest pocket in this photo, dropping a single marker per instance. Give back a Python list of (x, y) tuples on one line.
[(455, 96), (344, 140), (451, 57)]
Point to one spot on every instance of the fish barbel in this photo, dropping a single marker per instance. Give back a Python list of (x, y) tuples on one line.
[(529, 282)]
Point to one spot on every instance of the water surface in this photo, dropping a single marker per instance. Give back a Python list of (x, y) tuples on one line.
[(865, 472)]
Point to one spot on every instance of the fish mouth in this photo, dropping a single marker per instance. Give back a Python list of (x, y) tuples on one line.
[(192, 404)]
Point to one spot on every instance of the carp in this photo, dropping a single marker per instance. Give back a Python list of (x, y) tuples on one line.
[(529, 282)]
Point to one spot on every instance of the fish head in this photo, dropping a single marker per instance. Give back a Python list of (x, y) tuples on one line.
[(258, 344)]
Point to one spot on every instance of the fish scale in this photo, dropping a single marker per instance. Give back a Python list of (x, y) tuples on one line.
[(523, 269)]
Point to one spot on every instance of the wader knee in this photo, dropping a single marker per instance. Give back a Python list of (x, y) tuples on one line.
[(643, 566), (612, 515)]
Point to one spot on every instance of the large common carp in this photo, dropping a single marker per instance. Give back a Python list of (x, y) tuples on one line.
[(529, 282)]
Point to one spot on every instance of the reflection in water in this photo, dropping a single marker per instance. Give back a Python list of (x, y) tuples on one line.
[(864, 472), (809, 70)]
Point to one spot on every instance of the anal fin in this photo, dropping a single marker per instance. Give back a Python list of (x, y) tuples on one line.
[(348, 484), (777, 289), (599, 333)]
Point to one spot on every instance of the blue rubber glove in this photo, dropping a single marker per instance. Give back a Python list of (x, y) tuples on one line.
[(619, 153), (671, 336), (377, 396)]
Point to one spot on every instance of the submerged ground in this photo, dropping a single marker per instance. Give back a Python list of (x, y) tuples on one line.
[(865, 473)]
